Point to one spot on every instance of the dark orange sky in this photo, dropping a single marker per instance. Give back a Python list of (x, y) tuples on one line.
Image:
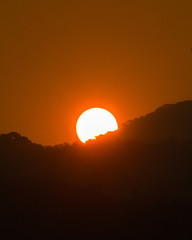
[(58, 58)]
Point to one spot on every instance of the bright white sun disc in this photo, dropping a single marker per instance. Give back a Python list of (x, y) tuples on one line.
[(94, 122)]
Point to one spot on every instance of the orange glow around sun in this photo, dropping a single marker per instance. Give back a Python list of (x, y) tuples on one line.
[(94, 122)]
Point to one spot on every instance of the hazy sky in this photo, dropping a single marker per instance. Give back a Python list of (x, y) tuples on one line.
[(60, 57)]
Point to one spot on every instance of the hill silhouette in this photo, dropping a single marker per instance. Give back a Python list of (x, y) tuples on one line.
[(171, 121), (115, 187)]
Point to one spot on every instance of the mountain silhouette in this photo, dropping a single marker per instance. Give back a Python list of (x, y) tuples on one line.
[(171, 121), (132, 183)]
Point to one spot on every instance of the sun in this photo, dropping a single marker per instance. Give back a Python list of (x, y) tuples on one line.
[(94, 122)]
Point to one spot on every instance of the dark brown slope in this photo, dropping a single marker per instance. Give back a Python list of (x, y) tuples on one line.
[(171, 121)]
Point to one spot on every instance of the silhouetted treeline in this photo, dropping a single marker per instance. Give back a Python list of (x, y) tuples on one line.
[(171, 121), (110, 188)]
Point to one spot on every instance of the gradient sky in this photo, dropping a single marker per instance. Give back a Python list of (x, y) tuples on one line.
[(59, 58)]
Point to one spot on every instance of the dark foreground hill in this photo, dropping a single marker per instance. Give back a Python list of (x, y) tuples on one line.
[(111, 188), (171, 121)]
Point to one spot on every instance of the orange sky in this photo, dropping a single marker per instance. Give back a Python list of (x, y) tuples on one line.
[(58, 58)]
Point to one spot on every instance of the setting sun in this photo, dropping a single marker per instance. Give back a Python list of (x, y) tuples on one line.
[(94, 122)]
